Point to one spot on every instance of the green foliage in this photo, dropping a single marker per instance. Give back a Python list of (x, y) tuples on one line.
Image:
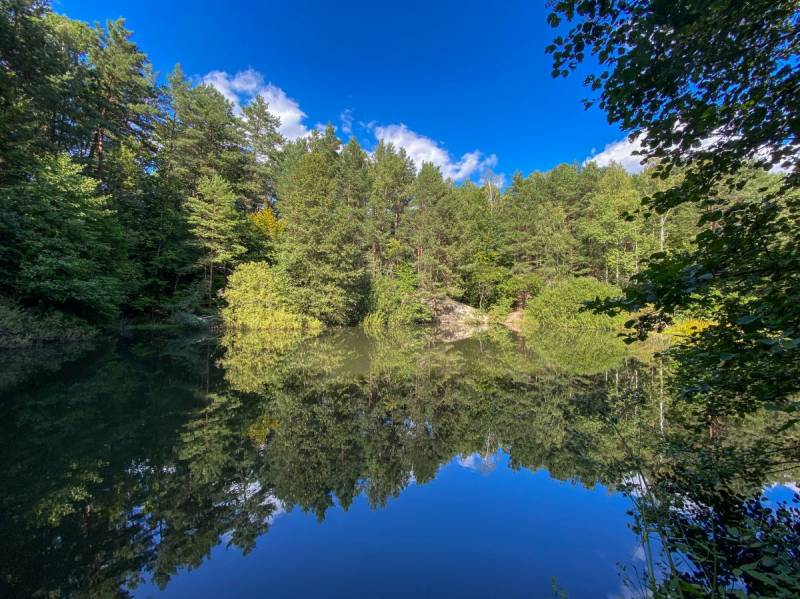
[(25, 327), (429, 233), (122, 197), (537, 225), (392, 178), (683, 73), (217, 225), (203, 137), (262, 141), (614, 242), (562, 305), (518, 289), (198, 189), (484, 278), (577, 351), (708, 89), (123, 97), (67, 248), (321, 249), (259, 297), (159, 219), (396, 301)]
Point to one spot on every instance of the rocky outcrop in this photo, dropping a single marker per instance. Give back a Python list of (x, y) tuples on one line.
[(457, 321)]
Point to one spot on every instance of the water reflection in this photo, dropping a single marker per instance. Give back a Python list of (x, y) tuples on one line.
[(140, 458)]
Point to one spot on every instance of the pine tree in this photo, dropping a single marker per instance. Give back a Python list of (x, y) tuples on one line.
[(123, 93), (262, 143), (35, 80), (352, 177), (217, 225), (321, 249), (431, 232), (203, 137), (392, 177)]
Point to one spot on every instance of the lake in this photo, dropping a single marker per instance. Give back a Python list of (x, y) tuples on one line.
[(344, 465)]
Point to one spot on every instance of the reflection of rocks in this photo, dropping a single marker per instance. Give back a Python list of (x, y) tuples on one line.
[(457, 321), (457, 331)]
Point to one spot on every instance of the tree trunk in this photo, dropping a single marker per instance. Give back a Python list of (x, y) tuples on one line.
[(661, 397), (211, 283), (99, 148)]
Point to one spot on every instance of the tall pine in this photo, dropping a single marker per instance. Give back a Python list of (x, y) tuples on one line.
[(321, 247)]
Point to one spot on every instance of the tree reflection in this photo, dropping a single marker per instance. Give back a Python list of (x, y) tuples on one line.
[(150, 453)]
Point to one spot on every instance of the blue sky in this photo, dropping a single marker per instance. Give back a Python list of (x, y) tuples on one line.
[(464, 84)]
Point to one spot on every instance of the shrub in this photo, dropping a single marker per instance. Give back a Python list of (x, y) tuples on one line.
[(683, 329), (562, 305), (259, 297), (69, 250), (25, 327), (520, 288), (396, 301), (514, 293)]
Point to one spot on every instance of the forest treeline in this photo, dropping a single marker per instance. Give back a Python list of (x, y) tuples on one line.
[(123, 197)]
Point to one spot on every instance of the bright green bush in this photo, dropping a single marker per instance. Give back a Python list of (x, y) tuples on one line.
[(396, 301), (562, 305), (259, 297)]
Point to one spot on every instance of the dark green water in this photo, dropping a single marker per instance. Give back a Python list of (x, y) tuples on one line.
[(347, 466)]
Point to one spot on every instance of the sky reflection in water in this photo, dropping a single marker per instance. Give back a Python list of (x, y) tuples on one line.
[(347, 465), (471, 532)]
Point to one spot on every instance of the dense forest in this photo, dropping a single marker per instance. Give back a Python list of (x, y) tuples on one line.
[(128, 200)]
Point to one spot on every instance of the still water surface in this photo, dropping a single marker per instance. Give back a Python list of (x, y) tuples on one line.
[(339, 466)]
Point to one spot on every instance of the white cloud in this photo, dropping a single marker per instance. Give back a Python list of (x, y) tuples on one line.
[(246, 85), (620, 152), (423, 149), (477, 462), (346, 118)]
